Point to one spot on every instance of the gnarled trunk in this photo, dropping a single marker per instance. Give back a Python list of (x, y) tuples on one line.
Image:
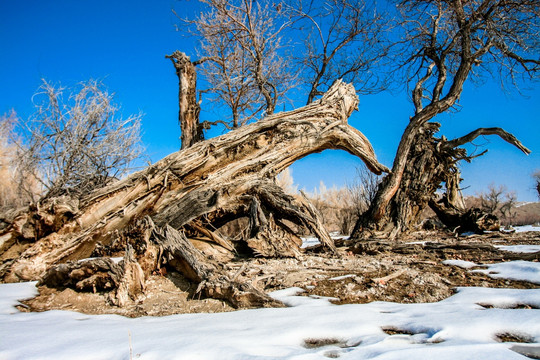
[(197, 190), (431, 162), (189, 109)]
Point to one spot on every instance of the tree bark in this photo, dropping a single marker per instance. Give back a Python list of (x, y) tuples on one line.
[(200, 187), (212, 282), (189, 109), (431, 162)]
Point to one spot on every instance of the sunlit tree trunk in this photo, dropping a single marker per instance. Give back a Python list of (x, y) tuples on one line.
[(189, 109)]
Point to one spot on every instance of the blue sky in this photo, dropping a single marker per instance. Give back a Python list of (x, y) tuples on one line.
[(124, 43)]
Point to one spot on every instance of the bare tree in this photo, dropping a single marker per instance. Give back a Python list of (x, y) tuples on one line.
[(225, 66), (536, 177), (342, 39), (508, 208), (497, 200), (285, 181), (492, 200), (240, 57), (445, 43), (247, 51), (78, 143), (363, 189)]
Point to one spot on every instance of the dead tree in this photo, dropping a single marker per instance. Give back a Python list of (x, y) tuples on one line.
[(433, 162), (536, 177), (189, 108), (444, 44), (194, 191)]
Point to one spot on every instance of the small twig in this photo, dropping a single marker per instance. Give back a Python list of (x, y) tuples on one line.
[(384, 279)]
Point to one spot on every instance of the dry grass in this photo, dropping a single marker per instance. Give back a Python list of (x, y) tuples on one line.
[(521, 214), (13, 182)]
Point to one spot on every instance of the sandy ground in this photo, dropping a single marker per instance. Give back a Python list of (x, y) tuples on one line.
[(407, 271)]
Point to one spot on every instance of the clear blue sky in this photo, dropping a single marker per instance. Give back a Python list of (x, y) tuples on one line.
[(124, 43)]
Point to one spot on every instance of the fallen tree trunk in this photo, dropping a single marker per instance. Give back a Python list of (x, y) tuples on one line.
[(201, 187)]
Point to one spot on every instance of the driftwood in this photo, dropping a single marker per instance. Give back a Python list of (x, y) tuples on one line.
[(197, 189)]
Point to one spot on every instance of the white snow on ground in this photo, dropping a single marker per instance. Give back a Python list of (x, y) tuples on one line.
[(312, 241), (418, 242), (514, 270), (461, 263), (342, 277), (116, 260), (10, 293), (527, 228), (456, 328), (309, 241), (519, 248)]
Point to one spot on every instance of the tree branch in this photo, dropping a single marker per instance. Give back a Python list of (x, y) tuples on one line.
[(506, 136)]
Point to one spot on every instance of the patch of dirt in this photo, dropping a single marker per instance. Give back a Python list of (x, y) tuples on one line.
[(405, 271), (164, 295), (513, 337), (318, 343), (395, 331)]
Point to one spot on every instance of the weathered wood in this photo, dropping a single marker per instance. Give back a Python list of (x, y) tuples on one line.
[(99, 274), (184, 257), (189, 108), (503, 134), (131, 285), (124, 278), (431, 162), (201, 187), (461, 221), (319, 229)]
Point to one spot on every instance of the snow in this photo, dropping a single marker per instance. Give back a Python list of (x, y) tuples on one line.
[(116, 260), (455, 328), (337, 278), (309, 241), (312, 241), (514, 270), (519, 248), (527, 228), (418, 242), (11, 293), (461, 263)]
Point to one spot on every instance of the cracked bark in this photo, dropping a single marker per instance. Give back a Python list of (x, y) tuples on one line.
[(199, 187)]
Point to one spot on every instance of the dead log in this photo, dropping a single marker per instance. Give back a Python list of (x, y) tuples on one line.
[(99, 274), (464, 220), (185, 258), (131, 285), (203, 186)]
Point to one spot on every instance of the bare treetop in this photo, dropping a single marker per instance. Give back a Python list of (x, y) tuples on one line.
[(240, 46), (78, 143), (341, 39), (448, 41), (252, 53)]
